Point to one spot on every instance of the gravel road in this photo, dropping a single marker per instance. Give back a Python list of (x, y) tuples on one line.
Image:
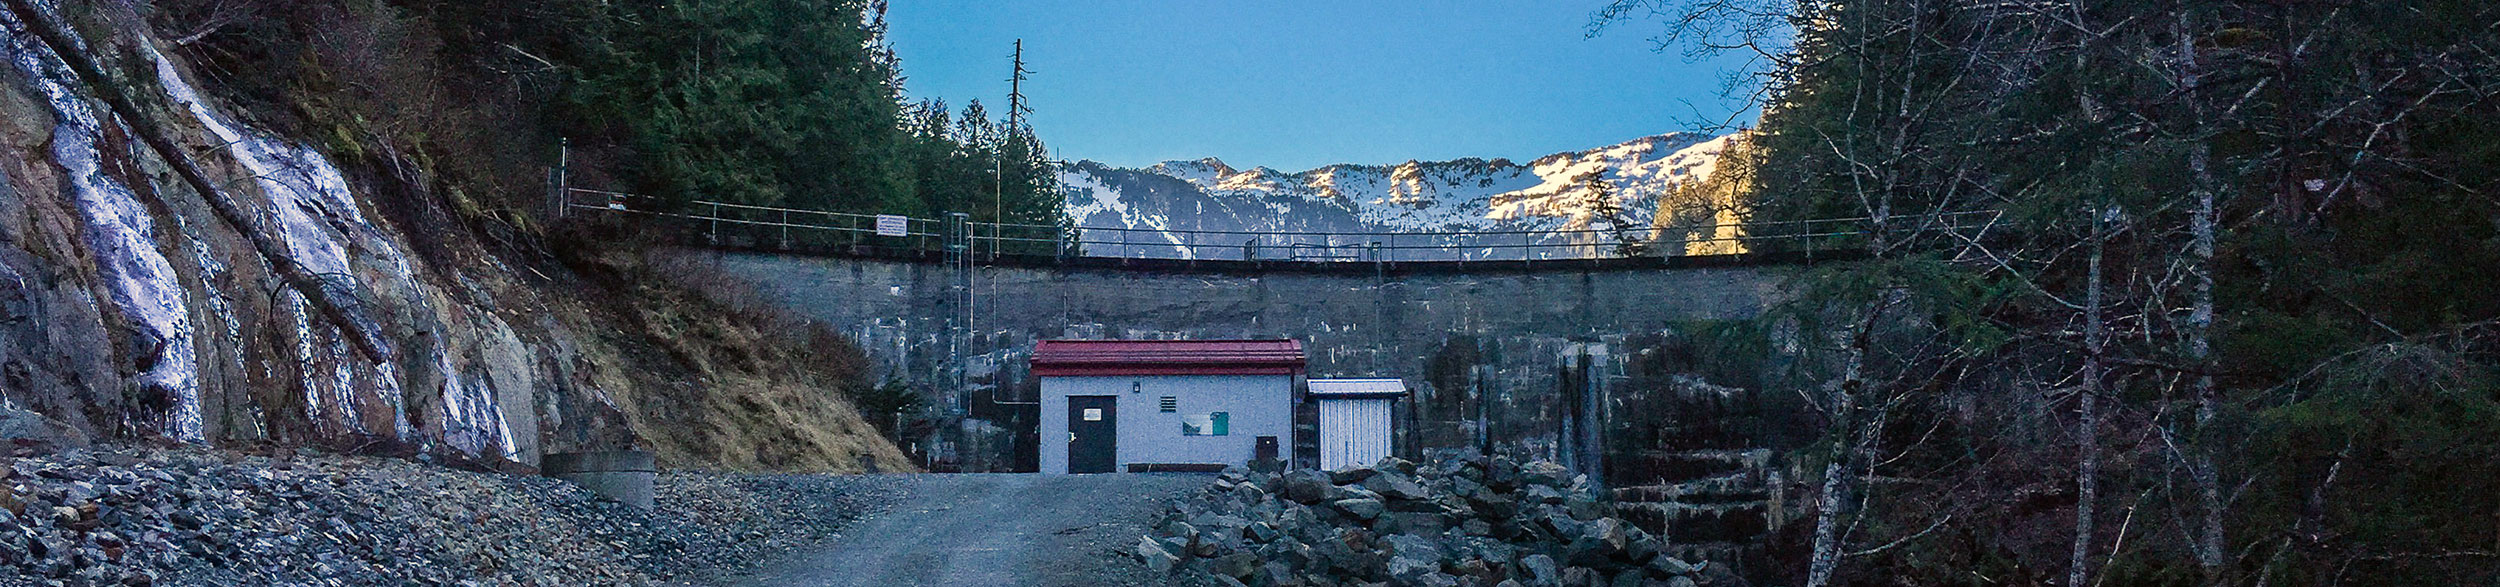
[(993, 529)]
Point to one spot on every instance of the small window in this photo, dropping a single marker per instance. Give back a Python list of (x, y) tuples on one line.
[(1171, 404), (1209, 424)]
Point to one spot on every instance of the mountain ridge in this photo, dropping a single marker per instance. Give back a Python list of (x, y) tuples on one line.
[(1463, 195)]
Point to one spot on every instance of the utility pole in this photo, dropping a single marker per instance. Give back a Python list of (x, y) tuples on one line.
[(1016, 110)]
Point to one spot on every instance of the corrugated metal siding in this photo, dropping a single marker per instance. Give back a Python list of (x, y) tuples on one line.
[(1353, 432)]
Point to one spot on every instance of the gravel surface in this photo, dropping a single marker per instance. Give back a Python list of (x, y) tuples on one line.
[(1006, 529), (121, 516)]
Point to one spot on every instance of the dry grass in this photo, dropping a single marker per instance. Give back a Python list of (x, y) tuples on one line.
[(713, 376)]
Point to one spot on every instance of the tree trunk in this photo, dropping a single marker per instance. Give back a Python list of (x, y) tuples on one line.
[(2087, 427), (1836, 486), (2209, 539)]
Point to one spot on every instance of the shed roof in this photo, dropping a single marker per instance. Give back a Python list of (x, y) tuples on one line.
[(1078, 358), (1357, 388)]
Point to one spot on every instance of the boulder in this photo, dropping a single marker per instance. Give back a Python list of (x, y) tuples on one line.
[(1555, 525), (1154, 555), (1305, 487), (1494, 551), (1583, 507), (1351, 475), (1580, 577), (1248, 493), (1397, 465), (1178, 529), (1240, 565), (1261, 532), (1545, 473), (1664, 566), (1503, 475), (1396, 486), (1276, 574), (1212, 522), (1411, 557), (25, 428), (1421, 523), (1361, 508), (1599, 543), (1539, 570), (1641, 548), (1493, 506)]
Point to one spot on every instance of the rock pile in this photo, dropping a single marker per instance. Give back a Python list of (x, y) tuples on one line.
[(1465, 521), (199, 517)]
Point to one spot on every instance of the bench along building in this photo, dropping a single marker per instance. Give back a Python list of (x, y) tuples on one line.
[(1149, 405)]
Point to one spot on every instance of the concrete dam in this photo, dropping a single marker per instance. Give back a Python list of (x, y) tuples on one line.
[(1509, 358), (1500, 331)]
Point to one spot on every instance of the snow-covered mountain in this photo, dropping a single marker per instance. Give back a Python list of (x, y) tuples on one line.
[(1471, 208)]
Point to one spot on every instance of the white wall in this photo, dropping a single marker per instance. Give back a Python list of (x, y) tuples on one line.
[(1352, 432), (1259, 405)]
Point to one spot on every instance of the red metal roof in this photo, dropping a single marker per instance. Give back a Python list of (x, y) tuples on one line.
[(1066, 358)]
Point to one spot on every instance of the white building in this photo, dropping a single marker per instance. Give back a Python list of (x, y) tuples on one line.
[(1165, 405), (1354, 419)]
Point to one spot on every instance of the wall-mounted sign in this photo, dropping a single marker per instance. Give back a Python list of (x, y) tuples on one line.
[(1210, 424), (893, 225)]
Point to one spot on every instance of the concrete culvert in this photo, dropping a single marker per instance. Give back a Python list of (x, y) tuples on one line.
[(621, 475)]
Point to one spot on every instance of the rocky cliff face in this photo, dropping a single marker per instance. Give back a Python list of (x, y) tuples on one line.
[(128, 308)]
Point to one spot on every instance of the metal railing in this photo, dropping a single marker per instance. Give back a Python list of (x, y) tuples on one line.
[(730, 224)]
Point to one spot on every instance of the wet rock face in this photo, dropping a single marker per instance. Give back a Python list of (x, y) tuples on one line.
[(129, 309), (1461, 521)]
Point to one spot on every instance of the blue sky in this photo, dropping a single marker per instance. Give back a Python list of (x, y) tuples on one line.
[(1299, 84)]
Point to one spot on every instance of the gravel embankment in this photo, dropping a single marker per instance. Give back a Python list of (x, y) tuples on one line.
[(199, 517)]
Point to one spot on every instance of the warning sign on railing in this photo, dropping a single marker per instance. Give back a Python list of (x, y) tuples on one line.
[(893, 225)]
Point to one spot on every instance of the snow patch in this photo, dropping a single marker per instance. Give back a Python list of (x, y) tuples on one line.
[(1369, 201)]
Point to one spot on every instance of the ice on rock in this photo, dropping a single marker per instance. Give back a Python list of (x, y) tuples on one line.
[(310, 203), (120, 233), (472, 421)]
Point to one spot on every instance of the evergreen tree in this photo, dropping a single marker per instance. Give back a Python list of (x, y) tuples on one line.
[(2211, 263), (1597, 196)]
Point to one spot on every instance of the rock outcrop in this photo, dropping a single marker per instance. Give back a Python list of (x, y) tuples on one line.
[(135, 305)]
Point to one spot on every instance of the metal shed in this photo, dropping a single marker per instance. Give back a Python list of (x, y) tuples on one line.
[(1160, 405), (1354, 419)]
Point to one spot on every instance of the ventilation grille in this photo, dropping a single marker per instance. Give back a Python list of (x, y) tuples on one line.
[(1171, 404)]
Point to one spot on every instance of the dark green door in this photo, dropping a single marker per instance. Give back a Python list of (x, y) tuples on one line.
[(1093, 433)]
